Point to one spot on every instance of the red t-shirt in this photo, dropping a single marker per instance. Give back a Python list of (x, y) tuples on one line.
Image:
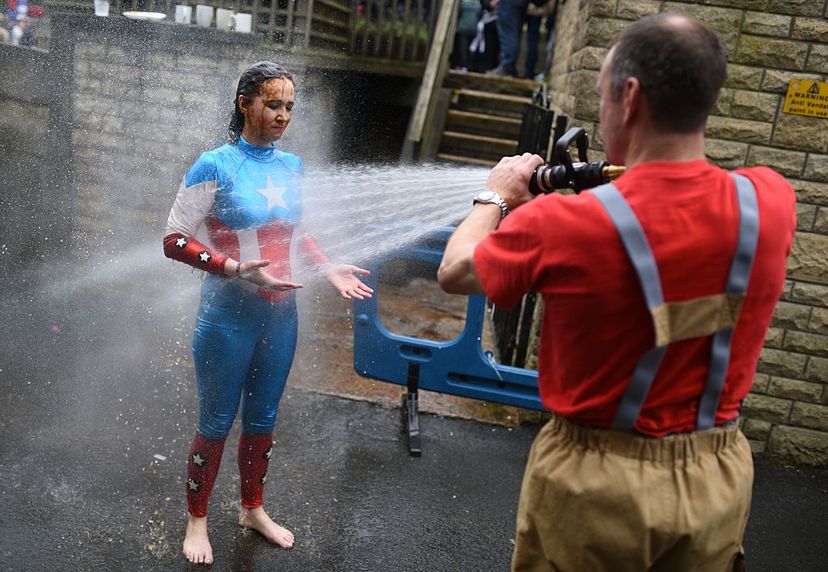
[(596, 325)]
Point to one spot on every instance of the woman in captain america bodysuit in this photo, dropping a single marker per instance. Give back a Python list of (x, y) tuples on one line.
[(246, 194)]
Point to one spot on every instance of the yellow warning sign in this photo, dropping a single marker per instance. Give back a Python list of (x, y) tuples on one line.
[(807, 97)]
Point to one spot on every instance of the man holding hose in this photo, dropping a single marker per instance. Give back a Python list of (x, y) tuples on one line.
[(658, 290)]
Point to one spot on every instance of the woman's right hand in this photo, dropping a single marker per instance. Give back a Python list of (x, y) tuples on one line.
[(252, 272)]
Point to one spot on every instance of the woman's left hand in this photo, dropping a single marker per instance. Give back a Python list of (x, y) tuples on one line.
[(345, 278)]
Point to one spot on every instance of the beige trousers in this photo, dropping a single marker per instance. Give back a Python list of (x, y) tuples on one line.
[(595, 500)]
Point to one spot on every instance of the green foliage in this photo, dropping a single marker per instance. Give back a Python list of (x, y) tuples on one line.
[(363, 24), (391, 29)]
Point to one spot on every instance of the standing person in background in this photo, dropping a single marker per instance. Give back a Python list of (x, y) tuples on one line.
[(549, 24), (485, 47), (469, 15), (16, 12), (658, 290), (535, 12), (18, 31), (510, 15), (20, 19), (247, 195)]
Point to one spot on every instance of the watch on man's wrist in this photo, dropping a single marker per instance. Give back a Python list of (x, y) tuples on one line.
[(492, 198)]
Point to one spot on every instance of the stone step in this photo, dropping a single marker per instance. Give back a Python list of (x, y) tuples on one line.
[(485, 124), (475, 101), (477, 146), (466, 160), (491, 83)]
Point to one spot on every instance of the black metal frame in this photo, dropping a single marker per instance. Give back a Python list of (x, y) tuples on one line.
[(512, 328)]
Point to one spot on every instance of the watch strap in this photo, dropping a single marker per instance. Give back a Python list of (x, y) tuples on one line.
[(495, 199)]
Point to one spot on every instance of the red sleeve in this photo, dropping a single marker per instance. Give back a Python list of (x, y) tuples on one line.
[(311, 250), (190, 251), (507, 259)]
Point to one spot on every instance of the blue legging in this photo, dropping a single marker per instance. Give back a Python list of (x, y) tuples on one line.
[(243, 345)]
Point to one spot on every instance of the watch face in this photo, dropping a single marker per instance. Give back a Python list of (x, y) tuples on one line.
[(485, 196)]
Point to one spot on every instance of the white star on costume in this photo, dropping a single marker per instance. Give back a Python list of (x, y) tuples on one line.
[(194, 486), (273, 194), (198, 459), (204, 256), (181, 242)]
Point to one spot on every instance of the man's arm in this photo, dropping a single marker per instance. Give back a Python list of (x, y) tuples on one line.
[(457, 273), (509, 179)]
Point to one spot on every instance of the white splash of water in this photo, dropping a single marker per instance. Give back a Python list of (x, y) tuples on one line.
[(355, 212), (361, 212)]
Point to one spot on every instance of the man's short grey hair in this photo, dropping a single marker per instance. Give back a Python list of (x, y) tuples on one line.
[(680, 63)]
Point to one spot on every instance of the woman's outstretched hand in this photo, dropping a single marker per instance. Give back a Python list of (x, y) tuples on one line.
[(252, 272), (345, 278)]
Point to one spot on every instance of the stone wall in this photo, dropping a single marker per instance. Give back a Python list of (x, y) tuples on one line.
[(20, 154), (769, 42), (24, 125)]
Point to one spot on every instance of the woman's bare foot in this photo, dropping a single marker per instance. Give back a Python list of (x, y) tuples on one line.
[(197, 547), (257, 519)]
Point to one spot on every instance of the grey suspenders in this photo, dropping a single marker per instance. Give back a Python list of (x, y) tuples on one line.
[(725, 307)]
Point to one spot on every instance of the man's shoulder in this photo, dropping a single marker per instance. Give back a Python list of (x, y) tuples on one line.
[(772, 188), (561, 204), (777, 201), (765, 176), (565, 200)]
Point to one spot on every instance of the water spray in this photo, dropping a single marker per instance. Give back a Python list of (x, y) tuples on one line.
[(568, 175)]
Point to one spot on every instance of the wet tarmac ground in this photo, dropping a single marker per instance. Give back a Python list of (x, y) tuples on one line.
[(98, 412)]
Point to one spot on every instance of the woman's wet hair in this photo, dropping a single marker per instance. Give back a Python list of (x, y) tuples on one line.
[(680, 63), (249, 84)]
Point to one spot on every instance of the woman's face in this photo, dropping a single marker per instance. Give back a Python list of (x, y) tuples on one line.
[(267, 114)]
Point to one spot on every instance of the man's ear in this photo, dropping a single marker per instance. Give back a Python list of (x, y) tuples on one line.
[(243, 103), (633, 99)]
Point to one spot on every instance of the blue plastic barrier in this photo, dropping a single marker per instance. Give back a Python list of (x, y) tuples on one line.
[(457, 367)]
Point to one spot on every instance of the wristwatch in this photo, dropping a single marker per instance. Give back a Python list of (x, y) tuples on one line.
[(492, 198)]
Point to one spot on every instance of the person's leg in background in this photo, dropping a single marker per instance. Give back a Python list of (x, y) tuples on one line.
[(548, 48), (460, 57), (465, 56), (532, 39), (491, 57), (510, 14), (485, 47)]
